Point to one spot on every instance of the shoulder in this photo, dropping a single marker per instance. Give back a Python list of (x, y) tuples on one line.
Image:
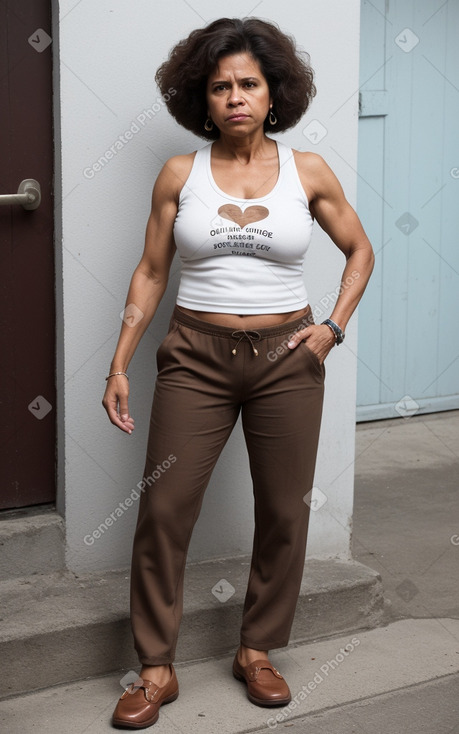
[(311, 163), (174, 174), (315, 172), (180, 165), (177, 167)]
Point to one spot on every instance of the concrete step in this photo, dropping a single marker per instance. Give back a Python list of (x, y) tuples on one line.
[(62, 627), (31, 541)]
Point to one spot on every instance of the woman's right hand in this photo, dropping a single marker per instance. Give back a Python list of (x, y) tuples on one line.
[(115, 402)]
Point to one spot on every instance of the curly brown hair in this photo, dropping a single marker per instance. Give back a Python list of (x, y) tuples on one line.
[(286, 69)]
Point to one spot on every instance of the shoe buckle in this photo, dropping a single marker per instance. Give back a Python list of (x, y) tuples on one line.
[(149, 697)]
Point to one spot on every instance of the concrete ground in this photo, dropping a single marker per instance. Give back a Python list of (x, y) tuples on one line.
[(401, 677), (384, 677), (406, 511)]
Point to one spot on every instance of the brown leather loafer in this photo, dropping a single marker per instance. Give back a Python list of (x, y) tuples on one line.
[(265, 685), (139, 705)]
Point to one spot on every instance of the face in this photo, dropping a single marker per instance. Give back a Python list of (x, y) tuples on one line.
[(238, 97)]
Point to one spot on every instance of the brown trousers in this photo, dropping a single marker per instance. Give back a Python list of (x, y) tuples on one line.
[(206, 375)]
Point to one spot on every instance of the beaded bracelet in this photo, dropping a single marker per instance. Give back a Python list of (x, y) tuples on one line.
[(117, 373), (339, 334)]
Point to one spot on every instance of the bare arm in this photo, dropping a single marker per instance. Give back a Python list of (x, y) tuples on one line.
[(339, 220), (147, 287)]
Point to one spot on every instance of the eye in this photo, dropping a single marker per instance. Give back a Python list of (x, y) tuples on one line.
[(250, 84)]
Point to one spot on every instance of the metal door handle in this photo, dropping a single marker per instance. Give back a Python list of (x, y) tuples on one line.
[(29, 195)]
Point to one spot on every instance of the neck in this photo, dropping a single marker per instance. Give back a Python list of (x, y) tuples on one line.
[(244, 148)]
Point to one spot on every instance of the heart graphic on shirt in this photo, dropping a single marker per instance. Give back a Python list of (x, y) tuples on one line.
[(251, 214)]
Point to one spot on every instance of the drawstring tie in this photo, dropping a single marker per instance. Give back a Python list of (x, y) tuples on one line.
[(250, 335)]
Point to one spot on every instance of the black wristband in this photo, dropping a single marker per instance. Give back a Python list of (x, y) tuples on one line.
[(339, 335)]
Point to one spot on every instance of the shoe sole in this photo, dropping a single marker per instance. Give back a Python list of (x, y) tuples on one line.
[(261, 701), (126, 725)]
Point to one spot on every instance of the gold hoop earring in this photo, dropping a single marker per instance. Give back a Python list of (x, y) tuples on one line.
[(208, 125), (272, 118)]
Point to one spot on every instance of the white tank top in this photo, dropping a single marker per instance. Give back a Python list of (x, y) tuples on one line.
[(242, 255)]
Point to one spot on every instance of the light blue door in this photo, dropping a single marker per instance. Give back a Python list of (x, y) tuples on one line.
[(408, 201)]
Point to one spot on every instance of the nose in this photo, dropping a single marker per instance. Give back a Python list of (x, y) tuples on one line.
[(234, 97)]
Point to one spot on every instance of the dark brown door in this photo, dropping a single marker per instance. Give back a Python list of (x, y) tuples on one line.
[(27, 310)]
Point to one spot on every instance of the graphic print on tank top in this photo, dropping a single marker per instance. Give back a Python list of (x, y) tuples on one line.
[(243, 219)]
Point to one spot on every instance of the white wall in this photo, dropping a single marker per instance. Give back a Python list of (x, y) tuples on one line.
[(105, 68)]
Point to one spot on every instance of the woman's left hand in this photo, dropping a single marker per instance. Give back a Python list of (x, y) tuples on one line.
[(318, 338)]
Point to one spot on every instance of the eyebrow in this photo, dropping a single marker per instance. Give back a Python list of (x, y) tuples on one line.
[(244, 79)]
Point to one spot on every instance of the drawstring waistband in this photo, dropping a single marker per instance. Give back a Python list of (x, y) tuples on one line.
[(286, 328), (249, 335)]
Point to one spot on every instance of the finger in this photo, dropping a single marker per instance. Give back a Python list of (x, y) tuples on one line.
[(297, 338), (123, 409), (126, 424), (320, 338), (123, 413)]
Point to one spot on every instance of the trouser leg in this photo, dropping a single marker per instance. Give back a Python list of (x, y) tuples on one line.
[(281, 424), (191, 419)]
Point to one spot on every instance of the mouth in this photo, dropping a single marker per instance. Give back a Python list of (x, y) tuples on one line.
[(237, 117)]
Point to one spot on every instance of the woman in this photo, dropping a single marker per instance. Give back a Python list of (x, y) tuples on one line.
[(241, 337)]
